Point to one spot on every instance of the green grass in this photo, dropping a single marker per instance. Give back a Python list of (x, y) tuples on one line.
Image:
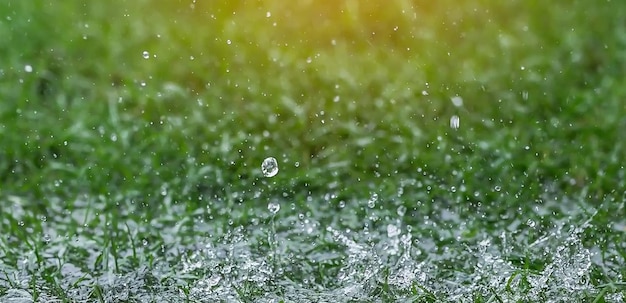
[(126, 179)]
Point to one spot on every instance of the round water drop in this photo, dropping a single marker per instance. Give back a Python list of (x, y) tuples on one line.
[(457, 101), (145, 54), (28, 68), (269, 167), (455, 122), (273, 207)]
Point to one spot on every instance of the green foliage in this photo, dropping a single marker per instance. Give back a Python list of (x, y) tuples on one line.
[(117, 169)]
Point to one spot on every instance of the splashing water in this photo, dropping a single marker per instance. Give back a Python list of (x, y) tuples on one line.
[(273, 207), (371, 203), (269, 167)]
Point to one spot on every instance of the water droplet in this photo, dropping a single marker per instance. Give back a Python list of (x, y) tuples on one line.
[(273, 207), (371, 203), (401, 210), (455, 122), (46, 238), (214, 280), (297, 164), (392, 231), (145, 54), (457, 101), (269, 167), (342, 204), (28, 68), (268, 14)]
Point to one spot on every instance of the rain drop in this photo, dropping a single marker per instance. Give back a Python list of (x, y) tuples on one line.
[(371, 203), (401, 210), (269, 167), (273, 207), (455, 122), (457, 101)]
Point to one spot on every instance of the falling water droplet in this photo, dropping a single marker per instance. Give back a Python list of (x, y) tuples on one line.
[(457, 101), (455, 122), (371, 203), (273, 207), (401, 210), (269, 167)]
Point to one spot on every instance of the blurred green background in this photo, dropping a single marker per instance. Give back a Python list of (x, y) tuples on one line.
[(362, 87)]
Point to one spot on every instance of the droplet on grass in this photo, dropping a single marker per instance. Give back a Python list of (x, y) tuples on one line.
[(214, 280), (145, 54), (28, 68), (269, 167)]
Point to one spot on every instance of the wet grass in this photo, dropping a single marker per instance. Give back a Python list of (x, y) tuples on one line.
[(133, 179)]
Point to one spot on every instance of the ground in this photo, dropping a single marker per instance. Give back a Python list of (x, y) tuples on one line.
[(428, 151)]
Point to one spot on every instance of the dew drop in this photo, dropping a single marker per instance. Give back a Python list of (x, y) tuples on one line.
[(145, 54)]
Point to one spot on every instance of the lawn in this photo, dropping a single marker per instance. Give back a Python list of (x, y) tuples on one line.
[(427, 151)]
